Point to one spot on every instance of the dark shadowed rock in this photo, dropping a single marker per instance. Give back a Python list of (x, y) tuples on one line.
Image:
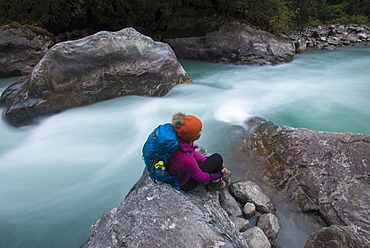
[(157, 215), (92, 69), (229, 203), (325, 173), (231, 42), (336, 236), (300, 45), (21, 47)]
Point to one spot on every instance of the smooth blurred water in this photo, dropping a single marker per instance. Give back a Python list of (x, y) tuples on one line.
[(59, 176)]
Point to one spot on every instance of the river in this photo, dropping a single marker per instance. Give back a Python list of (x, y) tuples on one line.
[(57, 177)]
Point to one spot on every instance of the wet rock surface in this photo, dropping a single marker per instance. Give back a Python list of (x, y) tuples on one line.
[(336, 236), (92, 69), (21, 47), (234, 42), (323, 173)]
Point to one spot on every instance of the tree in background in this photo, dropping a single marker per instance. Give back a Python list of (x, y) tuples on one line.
[(271, 15)]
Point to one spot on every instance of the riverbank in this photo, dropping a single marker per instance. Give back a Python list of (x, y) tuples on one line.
[(221, 41), (331, 37)]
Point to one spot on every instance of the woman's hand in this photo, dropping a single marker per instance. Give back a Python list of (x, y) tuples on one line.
[(227, 173)]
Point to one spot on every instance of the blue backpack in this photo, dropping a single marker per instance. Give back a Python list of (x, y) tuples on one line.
[(159, 146)]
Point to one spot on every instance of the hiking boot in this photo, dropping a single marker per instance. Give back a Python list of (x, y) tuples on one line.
[(214, 185), (226, 176)]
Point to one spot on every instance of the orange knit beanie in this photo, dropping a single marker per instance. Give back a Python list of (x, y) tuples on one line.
[(187, 126)]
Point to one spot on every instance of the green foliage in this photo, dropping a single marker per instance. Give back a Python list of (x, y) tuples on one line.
[(305, 11), (35, 29), (315, 22), (281, 17), (359, 19), (331, 12), (43, 13), (358, 7), (272, 15)]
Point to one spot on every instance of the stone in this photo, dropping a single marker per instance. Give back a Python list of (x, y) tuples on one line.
[(234, 42), (157, 215), (270, 226), (20, 47), (301, 45), (353, 38), (335, 35), (329, 48), (326, 173), (336, 236), (249, 210), (346, 43), (229, 204), (241, 224), (333, 41), (92, 69), (320, 45), (256, 238), (362, 36), (249, 191), (315, 34)]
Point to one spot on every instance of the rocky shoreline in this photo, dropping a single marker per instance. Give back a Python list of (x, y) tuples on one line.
[(322, 173), (331, 37), (222, 41), (241, 215), (295, 161)]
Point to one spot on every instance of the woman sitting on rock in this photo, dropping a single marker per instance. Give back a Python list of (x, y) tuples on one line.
[(193, 167)]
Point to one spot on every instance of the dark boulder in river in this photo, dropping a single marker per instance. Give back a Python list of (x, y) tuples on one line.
[(95, 68), (21, 47), (228, 41), (324, 173)]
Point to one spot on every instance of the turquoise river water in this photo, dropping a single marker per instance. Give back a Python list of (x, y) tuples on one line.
[(59, 176)]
